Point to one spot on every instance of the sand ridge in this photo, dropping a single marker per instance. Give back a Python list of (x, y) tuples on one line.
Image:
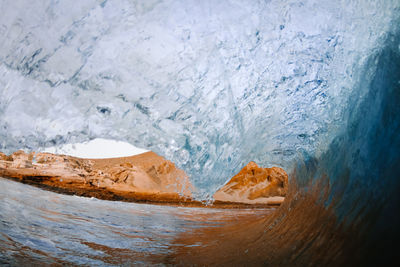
[(146, 177), (255, 185)]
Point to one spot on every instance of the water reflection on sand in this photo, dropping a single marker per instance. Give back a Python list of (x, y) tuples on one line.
[(38, 226)]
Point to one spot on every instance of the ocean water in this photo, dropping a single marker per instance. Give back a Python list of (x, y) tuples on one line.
[(210, 86), (310, 86), (42, 227)]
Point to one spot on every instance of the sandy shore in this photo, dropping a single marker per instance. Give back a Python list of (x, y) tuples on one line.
[(143, 178)]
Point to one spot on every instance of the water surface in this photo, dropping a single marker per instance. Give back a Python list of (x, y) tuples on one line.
[(38, 226)]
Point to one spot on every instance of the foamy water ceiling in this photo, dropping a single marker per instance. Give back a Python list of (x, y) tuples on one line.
[(209, 85)]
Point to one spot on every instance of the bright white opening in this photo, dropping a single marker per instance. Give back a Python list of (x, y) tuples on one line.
[(97, 148)]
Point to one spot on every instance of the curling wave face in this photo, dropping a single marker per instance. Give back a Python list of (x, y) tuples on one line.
[(343, 206), (210, 86), (311, 87)]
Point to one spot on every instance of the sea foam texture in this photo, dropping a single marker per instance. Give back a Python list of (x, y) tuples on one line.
[(210, 85)]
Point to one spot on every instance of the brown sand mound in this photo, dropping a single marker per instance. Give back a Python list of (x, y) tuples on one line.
[(146, 177), (255, 185)]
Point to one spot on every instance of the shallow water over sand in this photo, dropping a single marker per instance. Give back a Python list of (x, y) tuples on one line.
[(40, 226)]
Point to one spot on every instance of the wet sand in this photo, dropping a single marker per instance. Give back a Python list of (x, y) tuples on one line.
[(54, 185)]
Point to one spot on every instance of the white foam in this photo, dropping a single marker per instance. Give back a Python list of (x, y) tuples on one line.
[(97, 148)]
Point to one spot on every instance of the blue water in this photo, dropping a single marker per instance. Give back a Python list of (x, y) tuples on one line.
[(208, 85), (312, 86), (361, 166), (42, 226)]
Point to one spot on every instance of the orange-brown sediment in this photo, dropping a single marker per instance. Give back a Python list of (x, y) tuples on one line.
[(142, 178), (147, 178), (255, 185)]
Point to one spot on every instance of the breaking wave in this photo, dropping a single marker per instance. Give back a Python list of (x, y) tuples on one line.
[(311, 87)]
